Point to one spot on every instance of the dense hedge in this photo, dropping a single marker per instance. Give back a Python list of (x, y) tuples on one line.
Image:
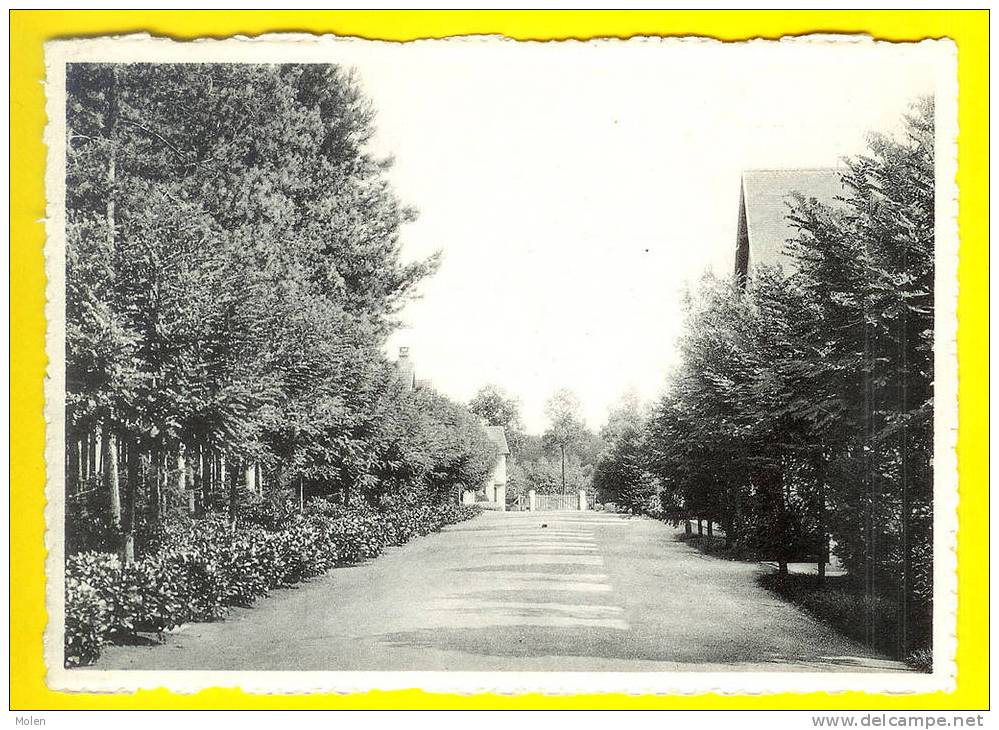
[(205, 566)]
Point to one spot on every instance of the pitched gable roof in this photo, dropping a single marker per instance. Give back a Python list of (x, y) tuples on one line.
[(497, 434), (763, 210)]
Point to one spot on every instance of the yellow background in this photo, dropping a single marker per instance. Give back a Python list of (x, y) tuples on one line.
[(30, 29)]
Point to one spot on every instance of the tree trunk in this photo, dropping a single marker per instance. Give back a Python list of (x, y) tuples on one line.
[(85, 459), (73, 465), (908, 588), (222, 474), (711, 527), (98, 461), (732, 533), (206, 477), (204, 464), (233, 496), (182, 486), (820, 478), (905, 609), (133, 483), (93, 455), (562, 447), (783, 547), (700, 527), (155, 486), (78, 447), (249, 476), (112, 445), (687, 530), (111, 478)]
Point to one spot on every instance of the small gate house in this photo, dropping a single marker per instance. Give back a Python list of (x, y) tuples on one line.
[(492, 493)]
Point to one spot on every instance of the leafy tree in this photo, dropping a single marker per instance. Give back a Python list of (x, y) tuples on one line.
[(498, 408), (545, 476), (803, 405), (446, 441), (493, 405), (866, 272), (233, 270), (621, 473), (625, 415), (622, 476), (565, 425)]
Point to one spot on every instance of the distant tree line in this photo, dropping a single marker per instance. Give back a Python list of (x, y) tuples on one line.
[(560, 460), (232, 272), (803, 407)]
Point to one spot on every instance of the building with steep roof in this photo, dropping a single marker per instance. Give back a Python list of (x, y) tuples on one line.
[(493, 490), (497, 434), (495, 486), (492, 493), (765, 197)]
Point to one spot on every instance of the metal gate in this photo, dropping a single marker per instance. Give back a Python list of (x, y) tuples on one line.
[(556, 502)]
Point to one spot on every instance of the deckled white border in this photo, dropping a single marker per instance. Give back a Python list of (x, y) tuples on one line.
[(290, 48)]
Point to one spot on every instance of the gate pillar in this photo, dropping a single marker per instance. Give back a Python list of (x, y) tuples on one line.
[(530, 500), (500, 494), (582, 500)]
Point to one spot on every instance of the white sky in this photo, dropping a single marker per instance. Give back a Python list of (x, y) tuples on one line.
[(575, 188)]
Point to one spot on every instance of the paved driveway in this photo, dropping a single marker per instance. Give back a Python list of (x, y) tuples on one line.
[(588, 591)]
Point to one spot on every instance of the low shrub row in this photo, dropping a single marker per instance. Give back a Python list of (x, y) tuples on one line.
[(203, 567)]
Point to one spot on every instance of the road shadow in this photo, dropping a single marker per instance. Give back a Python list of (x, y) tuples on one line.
[(549, 594), (519, 641), (555, 568), (526, 641)]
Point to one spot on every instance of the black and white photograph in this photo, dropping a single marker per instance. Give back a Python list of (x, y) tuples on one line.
[(483, 365)]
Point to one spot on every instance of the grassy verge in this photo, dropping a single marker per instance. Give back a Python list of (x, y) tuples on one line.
[(715, 546), (844, 605), (840, 602)]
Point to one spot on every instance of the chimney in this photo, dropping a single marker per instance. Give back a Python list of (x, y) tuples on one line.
[(406, 368)]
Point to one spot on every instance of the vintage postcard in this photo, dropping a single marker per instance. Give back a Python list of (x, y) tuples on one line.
[(477, 365)]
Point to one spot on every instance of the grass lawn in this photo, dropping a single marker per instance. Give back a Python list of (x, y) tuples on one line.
[(840, 602), (715, 546)]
